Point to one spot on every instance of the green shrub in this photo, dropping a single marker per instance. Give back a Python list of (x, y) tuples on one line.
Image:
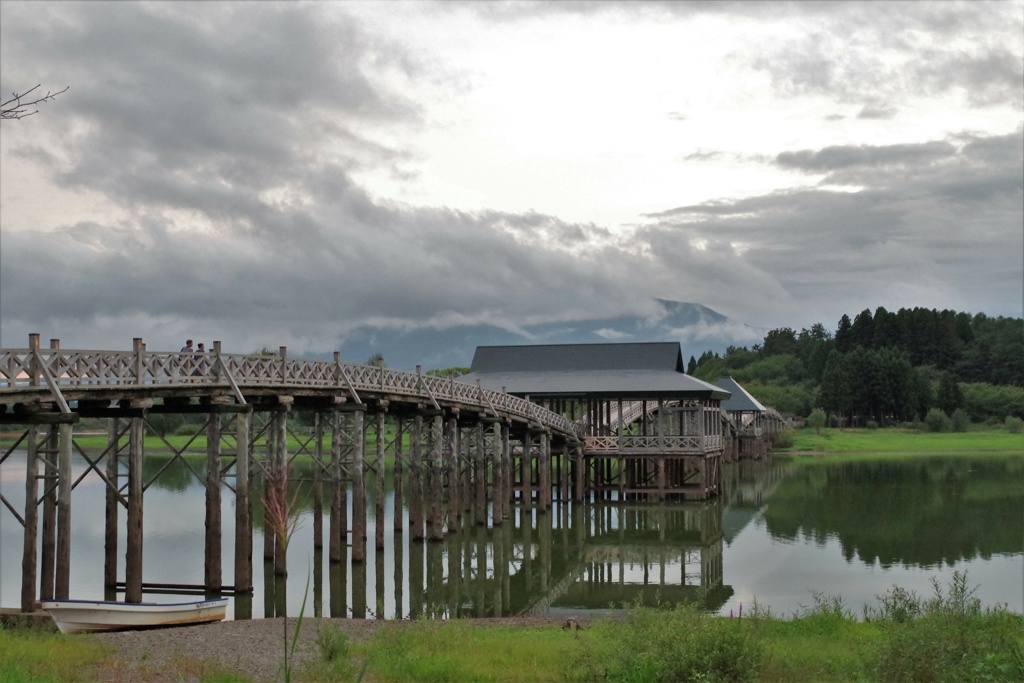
[(1014, 424), (871, 424), (816, 420), (678, 644), (960, 420), (783, 439), (936, 421)]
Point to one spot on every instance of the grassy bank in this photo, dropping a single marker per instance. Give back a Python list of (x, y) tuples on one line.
[(894, 440), (904, 637)]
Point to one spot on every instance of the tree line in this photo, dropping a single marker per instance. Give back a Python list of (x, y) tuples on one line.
[(884, 367)]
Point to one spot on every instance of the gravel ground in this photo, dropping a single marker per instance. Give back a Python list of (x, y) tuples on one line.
[(253, 647)]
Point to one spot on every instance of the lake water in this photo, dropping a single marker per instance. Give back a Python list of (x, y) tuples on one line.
[(780, 534)]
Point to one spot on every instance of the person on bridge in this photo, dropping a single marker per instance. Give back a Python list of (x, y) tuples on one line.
[(187, 348), (200, 362)]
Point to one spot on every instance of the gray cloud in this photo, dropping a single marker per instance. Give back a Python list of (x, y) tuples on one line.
[(839, 157), (227, 142), (933, 226), (866, 52)]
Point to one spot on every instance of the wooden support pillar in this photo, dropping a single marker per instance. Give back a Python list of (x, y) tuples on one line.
[(480, 478), (270, 438), (111, 507), (452, 456), (318, 478), (339, 495), (243, 503), (133, 545), (436, 530), (379, 493), (416, 518), (212, 551), (48, 454), (280, 427), (544, 476), (579, 474), (497, 476), (29, 563), (357, 437), (64, 484), (397, 485), (506, 466)]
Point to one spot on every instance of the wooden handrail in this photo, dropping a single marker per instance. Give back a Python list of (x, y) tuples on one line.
[(89, 369)]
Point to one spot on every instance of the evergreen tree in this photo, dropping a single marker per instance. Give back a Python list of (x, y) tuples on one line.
[(834, 392), (862, 333), (844, 338), (691, 367), (950, 397)]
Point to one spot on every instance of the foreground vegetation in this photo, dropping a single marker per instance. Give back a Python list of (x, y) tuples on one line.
[(948, 636)]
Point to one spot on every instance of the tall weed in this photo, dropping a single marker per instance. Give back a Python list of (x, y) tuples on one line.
[(948, 637), (679, 644)]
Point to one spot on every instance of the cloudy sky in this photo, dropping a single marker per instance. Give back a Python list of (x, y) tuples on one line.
[(268, 174)]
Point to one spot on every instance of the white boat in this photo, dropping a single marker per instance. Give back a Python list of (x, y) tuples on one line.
[(87, 616)]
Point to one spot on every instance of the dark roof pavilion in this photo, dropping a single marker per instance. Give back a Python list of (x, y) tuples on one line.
[(612, 371)]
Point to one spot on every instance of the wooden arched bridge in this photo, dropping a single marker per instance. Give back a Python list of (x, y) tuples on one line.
[(455, 451), (464, 451)]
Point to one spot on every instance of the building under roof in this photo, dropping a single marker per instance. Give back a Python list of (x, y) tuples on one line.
[(740, 400), (633, 371), (649, 429)]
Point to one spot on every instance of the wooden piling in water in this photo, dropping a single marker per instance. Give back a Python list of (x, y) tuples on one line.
[(280, 427), (29, 564), (397, 485), (436, 489), (357, 438), (64, 484), (48, 454), (318, 490), (379, 494), (454, 444), (339, 488), (110, 511), (133, 544), (416, 516), (212, 574), (480, 460), (243, 502)]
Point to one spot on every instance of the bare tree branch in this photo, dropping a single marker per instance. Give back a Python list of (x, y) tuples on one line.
[(17, 108)]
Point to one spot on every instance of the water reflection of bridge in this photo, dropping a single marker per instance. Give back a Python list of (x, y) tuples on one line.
[(575, 559)]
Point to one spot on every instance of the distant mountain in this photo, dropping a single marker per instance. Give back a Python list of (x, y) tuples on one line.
[(696, 327)]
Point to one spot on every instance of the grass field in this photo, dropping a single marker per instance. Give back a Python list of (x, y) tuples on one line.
[(947, 637), (893, 440)]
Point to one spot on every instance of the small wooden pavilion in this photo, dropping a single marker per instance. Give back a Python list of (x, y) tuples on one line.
[(649, 429), (749, 422)]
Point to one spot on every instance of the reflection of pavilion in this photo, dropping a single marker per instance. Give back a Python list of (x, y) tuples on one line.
[(649, 554)]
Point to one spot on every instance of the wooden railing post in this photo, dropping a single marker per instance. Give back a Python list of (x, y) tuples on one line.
[(218, 367), (284, 363), (139, 348), (33, 345)]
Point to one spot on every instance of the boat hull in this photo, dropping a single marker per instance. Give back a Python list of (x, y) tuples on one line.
[(91, 616)]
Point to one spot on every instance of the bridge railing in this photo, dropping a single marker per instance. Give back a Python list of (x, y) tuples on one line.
[(653, 444), (21, 369)]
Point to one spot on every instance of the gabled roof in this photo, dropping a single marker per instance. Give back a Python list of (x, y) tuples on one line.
[(628, 371), (740, 401), (578, 357)]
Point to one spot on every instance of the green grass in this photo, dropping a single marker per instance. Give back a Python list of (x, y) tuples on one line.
[(31, 656), (893, 440), (945, 638), (440, 652)]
